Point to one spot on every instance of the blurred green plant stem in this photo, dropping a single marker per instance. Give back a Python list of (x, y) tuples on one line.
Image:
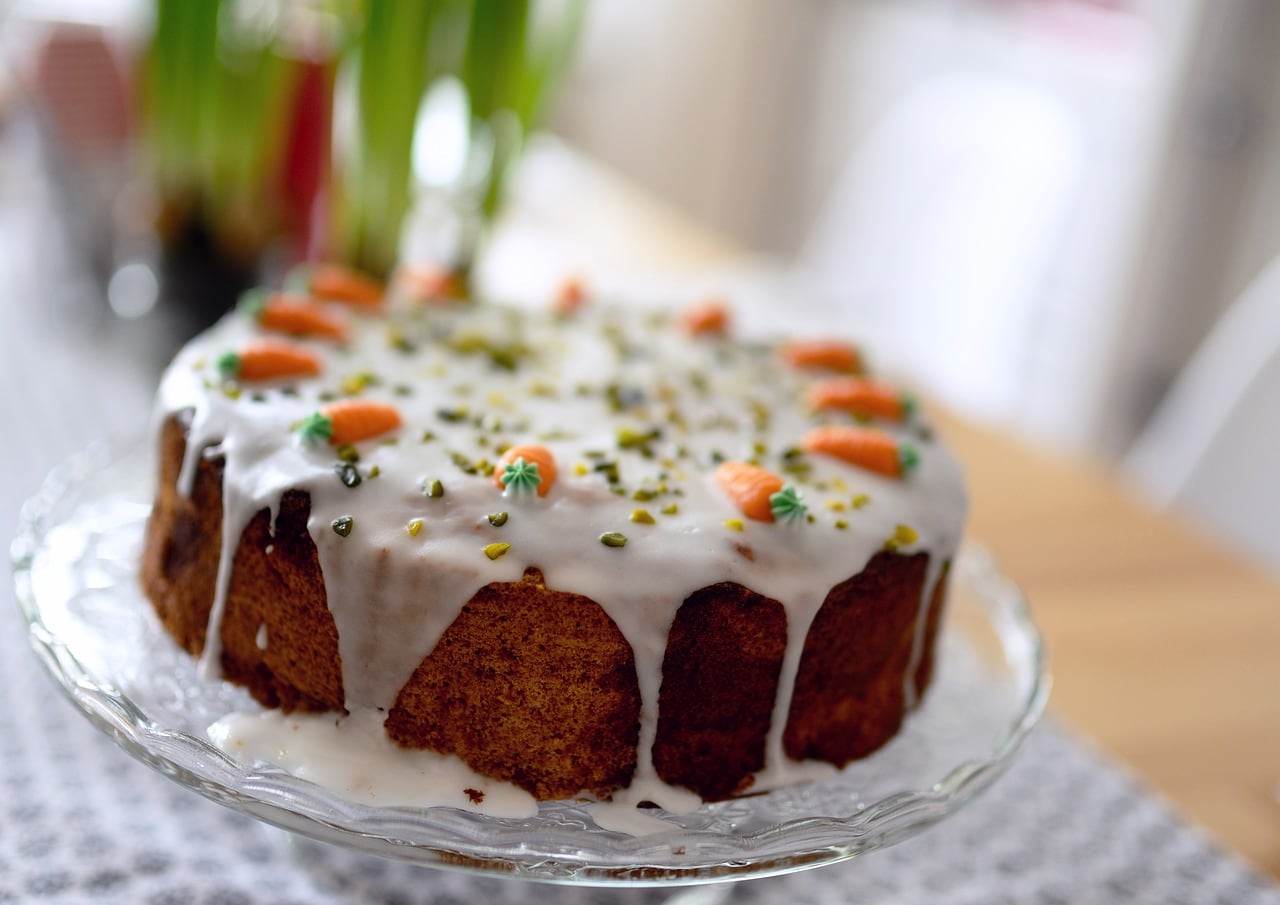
[(271, 120)]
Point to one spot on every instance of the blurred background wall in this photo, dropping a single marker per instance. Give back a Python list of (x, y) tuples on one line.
[(1071, 192)]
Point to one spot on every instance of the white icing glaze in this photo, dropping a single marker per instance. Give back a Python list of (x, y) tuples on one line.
[(353, 757), (575, 385)]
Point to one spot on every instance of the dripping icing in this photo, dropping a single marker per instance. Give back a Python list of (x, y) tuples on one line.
[(634, 585)]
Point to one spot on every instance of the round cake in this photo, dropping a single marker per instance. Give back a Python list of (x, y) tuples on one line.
[(585, 550)]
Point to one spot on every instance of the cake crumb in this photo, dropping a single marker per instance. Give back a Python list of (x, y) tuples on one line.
[(475, 795)]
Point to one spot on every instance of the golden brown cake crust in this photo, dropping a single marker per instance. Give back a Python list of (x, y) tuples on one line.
[(850, 691), (719, 682), (538, 686), (530, 685), (183, 541), (277, 597)]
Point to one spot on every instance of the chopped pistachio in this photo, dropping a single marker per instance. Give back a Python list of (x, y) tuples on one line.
[(497, 519), (670, 509), (642, 516), (433, 489), (342, 525), (734, 524), (414, 527), (613, 539), (493, 551), (348, 474)]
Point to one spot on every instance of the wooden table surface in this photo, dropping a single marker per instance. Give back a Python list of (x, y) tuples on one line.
[(1165, 647)]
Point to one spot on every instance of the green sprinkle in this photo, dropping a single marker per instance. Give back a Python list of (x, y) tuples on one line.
[(348, 453), (642, 516), (228, 365), (908, 458), (414, 527), (903, 535), (520, 476), (397, 340), (609, 470), (298, 280), (348, 474), (253, 301), (315, 428), (497, 519), (355, 384), (670, 509), (433, 489), (734, 524), (493, 551), (342, 526), (630, 438), (613, 539), (788, 504)]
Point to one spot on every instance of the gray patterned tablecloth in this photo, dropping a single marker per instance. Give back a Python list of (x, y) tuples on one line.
[(82, 822)]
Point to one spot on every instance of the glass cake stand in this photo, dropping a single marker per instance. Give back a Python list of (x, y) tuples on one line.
[(75, 562)]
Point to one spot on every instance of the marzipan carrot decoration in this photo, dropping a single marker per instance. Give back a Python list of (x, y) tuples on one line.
[(268, 360), (749, 487), (284, 313), (570, 297), (434, 285), (706, 318), (865, 447), (862, 397), (342, 284), (349, 421), (526, 467), (823, 354)]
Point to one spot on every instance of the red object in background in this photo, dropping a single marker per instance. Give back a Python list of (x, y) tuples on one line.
[(305, 160), (81, 87)]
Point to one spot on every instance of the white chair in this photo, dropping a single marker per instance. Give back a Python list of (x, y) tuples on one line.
[(1212, 449)]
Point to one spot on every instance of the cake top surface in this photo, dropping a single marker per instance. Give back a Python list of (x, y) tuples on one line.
[(659, 455)]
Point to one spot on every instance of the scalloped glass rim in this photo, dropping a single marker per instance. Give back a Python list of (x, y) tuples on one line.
[(74, 562)]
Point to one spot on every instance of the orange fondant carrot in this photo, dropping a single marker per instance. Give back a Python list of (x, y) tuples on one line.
[(860, 396), (269, 359), (353, 420), (430, 284), (300, 317), (342, 284), (526, 466), (750, 488), (865, 447), (571, 296), (710, 317), (823, 354)]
